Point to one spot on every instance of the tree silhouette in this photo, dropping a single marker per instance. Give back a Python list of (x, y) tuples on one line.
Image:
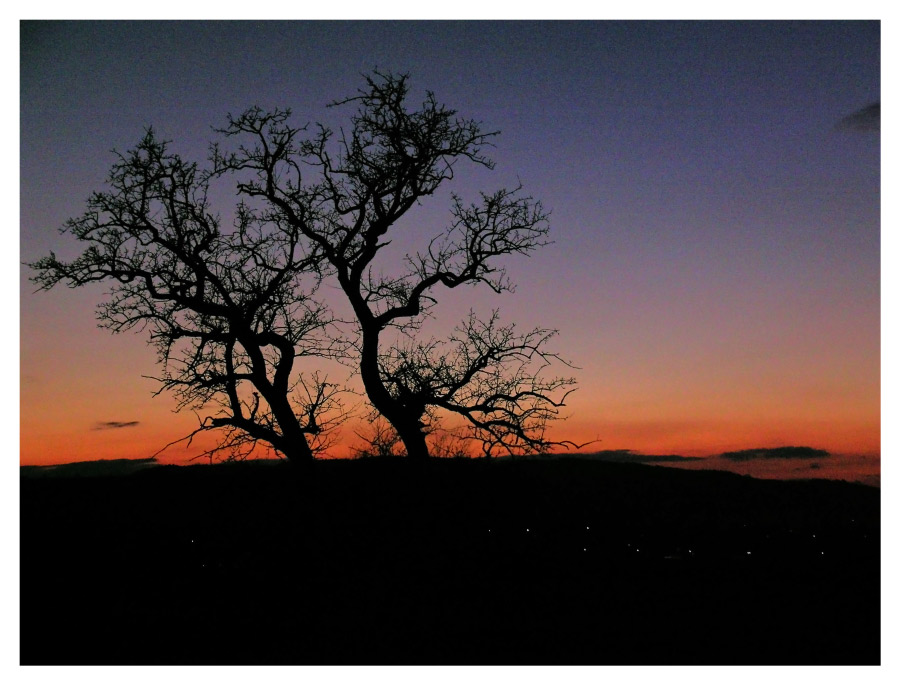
[(365, 181), (229, 311)]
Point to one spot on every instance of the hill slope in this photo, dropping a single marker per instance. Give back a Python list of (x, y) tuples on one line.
[(567, 561)]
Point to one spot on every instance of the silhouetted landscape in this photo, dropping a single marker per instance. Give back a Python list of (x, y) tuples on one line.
[(674, 245), (388, 561)]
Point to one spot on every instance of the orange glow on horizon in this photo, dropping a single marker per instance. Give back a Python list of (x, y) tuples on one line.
[(55, 444)]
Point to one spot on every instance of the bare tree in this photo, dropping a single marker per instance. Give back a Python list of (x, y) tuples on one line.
[(489, 375), (229, 311), (380, 440), (363, 181)]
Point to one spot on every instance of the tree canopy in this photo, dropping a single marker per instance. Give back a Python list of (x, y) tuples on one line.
[(230, 311)]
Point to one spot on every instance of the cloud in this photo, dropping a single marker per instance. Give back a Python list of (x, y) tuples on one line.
[(775, 453), (866, 119), (107, 425)]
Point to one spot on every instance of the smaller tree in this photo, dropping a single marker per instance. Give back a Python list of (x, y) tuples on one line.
[(229, 312), (379, 440), (487, 374)]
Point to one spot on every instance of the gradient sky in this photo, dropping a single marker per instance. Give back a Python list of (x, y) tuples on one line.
[(715, 271)]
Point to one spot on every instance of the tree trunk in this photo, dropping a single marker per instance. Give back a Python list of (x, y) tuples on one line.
[(294, 444), (413, 438), (298, 451), (404, 420)]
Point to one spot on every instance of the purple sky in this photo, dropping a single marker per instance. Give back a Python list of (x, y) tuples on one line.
[(715, 271)]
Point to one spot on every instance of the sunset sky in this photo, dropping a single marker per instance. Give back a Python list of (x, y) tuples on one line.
[(715, 272)]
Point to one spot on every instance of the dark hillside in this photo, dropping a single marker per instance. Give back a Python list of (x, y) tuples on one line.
[(451, 562)]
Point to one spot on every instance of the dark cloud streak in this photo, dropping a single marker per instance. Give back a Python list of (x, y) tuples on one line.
[(866, 119), (775, 453), (108, 425)]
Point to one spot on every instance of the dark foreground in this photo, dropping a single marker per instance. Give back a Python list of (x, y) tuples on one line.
[(454, 562)]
